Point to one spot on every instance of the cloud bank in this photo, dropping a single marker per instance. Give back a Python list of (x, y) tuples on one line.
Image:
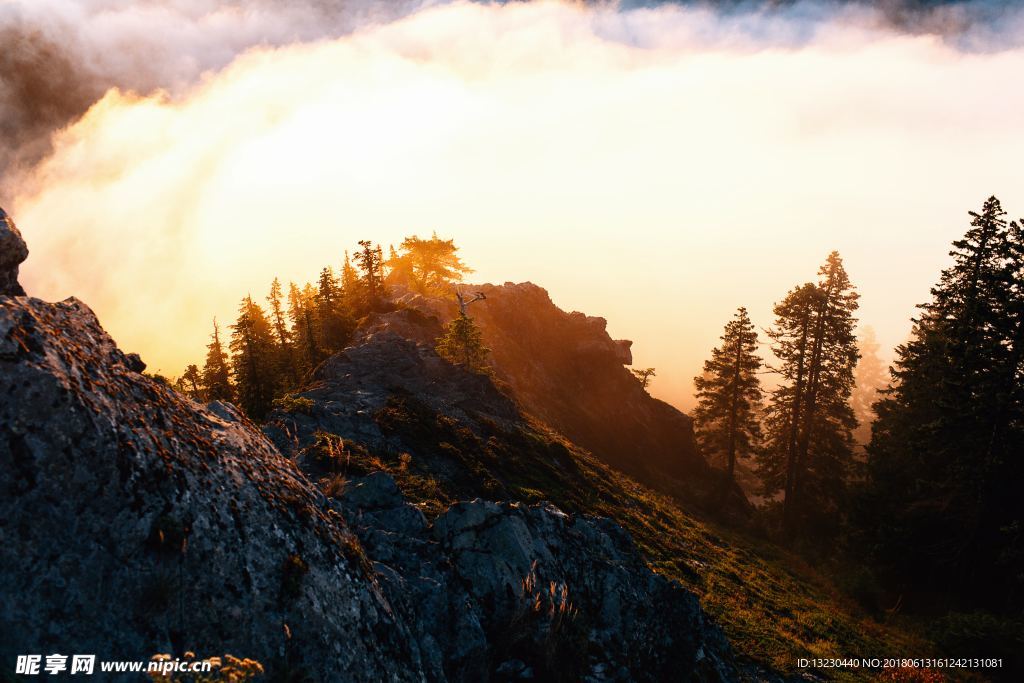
[(659, 166)]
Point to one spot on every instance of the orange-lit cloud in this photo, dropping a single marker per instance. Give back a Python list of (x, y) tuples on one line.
[(657, 167)]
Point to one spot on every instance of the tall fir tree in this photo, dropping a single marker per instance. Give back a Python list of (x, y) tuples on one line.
[(945, 463), (368, 261), (729, 397), (301, 313), (253, 359), (287, 364), (809, 451), (871, 376), (332, 316), (216, 372)]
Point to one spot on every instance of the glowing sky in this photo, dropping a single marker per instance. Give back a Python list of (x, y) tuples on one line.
[(655, 167)]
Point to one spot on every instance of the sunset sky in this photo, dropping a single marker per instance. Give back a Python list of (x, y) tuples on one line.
[(657, 167)]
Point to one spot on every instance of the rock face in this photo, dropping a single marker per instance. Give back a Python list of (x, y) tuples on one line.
[(508, 591), (565, 369), (12, 252), (135, 521)]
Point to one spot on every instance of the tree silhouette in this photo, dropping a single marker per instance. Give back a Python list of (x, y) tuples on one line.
[(945, 460), (252, 359), (428, 266), (216, 373), (644, 375), (729, 395), (809, 421)]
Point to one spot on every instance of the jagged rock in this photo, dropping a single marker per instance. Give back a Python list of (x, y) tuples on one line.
[(484, 573), (565, 369), (135, 362), (12, 252), (136, 522), (623, 351)]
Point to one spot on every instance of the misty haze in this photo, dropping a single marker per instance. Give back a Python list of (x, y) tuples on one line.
[(550, 340)]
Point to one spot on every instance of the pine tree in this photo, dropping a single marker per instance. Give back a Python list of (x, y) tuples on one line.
[(871, 376), (335, 325), (287, 365), (252, 359), (644, 375), (945, 459), (810, 444), (192, 381), (349, 283), (368, 260), (216, 373), (428, 266), (729, 395), (303, 318), (462, 343)]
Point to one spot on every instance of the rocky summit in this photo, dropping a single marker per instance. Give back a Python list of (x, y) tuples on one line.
[(136, 521), (565, 369)]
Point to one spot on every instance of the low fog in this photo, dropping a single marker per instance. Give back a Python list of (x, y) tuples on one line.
[(659, 166)]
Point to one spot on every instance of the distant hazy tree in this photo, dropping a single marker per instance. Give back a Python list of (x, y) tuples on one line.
[(809, 450), (871, 376), (349, 281), (644, 376), (729, 395), (252, 359), (369, 261), (946, 459), (463, 343), (428, 266), (216, 373)]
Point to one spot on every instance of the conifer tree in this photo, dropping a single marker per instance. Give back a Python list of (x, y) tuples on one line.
[(428, 266), (335, 325), (463, 343), (644, 375), (287, 365), (349, 283), (945, 459), (368, 260), (871, 376), (191, 382), (809, 421), (252, 359), (729, 395), (216, 373), (302, 316)]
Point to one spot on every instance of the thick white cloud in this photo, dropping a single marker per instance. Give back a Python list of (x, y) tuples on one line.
[(657, 166)]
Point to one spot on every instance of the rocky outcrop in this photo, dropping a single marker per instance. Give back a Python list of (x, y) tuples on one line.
[(508, 591), (12, 252), (566, 369), (135, 521)]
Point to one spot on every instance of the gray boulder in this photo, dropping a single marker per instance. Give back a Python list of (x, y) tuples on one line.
[(12, 252), (135, 521), (507, 591)]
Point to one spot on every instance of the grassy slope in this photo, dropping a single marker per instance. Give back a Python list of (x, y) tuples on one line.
[(773, 606)]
